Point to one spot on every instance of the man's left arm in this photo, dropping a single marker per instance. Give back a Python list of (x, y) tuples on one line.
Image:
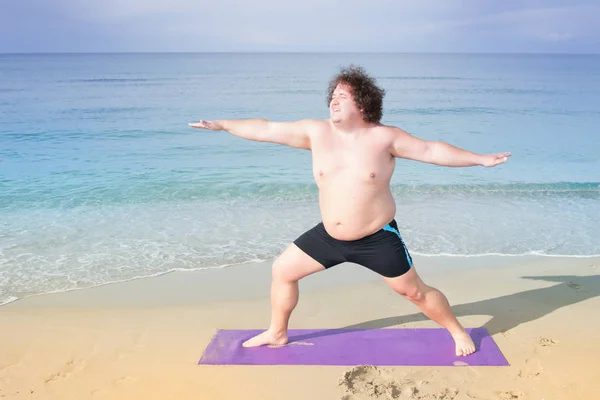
[(410, 147)]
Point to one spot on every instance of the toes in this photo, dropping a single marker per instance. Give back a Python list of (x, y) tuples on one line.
[(465, 351)]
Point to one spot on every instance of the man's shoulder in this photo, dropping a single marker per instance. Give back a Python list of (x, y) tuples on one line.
[(316, 122), (388, 130), (315, 125)]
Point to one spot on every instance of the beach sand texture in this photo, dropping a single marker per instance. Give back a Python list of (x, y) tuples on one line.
[(143, 339)]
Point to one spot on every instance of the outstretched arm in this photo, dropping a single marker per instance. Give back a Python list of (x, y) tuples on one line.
[(439, 153), (293, 134)]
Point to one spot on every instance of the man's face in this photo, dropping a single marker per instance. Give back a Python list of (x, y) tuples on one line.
[(342, 106)]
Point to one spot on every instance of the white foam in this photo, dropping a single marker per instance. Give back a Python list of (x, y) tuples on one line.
[(10, 299), (13, 298), (48, 251), (530, 253)]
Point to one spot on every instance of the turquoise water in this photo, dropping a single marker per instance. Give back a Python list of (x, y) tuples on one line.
[(101, 180)]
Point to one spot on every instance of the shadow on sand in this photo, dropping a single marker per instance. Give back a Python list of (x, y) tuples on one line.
[(507, 312)]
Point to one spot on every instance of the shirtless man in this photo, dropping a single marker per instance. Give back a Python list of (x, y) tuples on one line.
[(353, 157)]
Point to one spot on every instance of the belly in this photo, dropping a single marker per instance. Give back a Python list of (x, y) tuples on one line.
[(351, 211)]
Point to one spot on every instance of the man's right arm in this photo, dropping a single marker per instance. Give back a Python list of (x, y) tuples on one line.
[(293, 134)]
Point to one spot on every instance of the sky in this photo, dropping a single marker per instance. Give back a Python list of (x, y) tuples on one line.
[(440, 26)]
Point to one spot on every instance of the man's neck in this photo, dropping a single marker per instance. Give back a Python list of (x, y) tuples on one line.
[(351, 127)]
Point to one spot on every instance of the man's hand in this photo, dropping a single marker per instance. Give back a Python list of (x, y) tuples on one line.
[(491, 160), (293, 134), (210, 125)]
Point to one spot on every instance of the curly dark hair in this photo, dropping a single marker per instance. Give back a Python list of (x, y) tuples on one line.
[(367, 95)]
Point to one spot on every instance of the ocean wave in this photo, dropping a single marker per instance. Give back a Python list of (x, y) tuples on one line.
[(492, 254), (6, 299), (504, 188), (11, 90), (444, 110), (106, 110), (111, 80), (10, 299), (72, 189), (423, 78), (489, 110)]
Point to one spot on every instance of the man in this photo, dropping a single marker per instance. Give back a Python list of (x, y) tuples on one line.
[(353, 161)]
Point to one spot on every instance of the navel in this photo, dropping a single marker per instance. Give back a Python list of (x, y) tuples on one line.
[(320, 173), (372, 174)]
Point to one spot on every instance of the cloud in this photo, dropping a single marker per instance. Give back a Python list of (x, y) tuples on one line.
[(524, 20), (335, 25)]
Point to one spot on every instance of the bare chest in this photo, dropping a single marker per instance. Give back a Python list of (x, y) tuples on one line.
[(359, 161)]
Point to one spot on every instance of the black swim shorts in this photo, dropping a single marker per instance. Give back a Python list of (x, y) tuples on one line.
[(383, 252)]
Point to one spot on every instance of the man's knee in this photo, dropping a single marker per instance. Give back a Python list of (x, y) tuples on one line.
[(410, 286), (282, 271), (416, 294), (413, 290)]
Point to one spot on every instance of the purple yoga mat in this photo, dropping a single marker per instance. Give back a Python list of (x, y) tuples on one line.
[(350, 347)]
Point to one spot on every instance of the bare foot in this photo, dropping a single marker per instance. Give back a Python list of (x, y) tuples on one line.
[(267, 338), (464, 344)]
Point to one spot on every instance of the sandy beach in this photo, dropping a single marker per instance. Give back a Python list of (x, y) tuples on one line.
[(142, 339)]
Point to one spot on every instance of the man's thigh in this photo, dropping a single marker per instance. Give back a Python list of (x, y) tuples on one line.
[(294, 264)]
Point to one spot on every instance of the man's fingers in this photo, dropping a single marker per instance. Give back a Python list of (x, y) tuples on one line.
[(497, 159), (201, 124), (500, 160), (501, 157)]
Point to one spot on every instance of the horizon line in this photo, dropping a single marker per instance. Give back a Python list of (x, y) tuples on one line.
[(294, 52)]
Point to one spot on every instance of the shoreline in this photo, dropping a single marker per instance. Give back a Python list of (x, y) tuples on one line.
[(143, 339), (432, 262)]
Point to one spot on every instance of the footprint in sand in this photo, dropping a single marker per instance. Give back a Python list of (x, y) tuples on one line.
[(533, 368), (446, 394), (367, 381), (70, 368), (372, 382), (547, 342), (512, 395)]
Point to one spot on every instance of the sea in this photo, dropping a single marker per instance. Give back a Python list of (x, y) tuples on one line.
[(102, 180)]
